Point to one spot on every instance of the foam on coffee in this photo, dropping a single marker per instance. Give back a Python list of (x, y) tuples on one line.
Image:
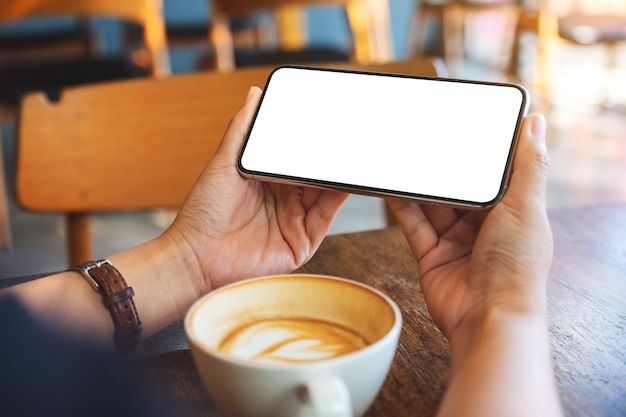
[(290, 340)]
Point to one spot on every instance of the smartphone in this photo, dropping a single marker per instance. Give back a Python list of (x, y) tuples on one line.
[(434, 140)]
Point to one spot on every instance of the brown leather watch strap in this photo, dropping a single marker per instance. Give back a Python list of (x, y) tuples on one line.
[(117, 297)]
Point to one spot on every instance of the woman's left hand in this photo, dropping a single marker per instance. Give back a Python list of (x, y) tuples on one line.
[(234, 228)]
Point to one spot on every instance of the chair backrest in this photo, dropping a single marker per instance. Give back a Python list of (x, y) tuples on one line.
[(132, 145), (147, 13), (369, 23)]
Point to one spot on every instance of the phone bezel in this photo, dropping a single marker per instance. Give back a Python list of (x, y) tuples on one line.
[(378, 192)]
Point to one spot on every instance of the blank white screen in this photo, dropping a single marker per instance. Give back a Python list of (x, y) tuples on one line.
[(425, 137)]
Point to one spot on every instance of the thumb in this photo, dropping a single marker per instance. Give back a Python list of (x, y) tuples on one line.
[(532, 163), (239, 125)]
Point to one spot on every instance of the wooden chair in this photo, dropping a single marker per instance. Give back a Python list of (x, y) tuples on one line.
[(368, 20), (50, 65), (47, 67), (452, 15), (132, 145), (554, 24)]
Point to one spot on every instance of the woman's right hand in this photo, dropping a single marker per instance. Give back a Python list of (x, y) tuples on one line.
[(496, 258)]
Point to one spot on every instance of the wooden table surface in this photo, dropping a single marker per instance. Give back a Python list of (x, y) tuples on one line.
[(587, 297)]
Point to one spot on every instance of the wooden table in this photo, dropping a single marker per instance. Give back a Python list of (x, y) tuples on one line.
[(587, 296)]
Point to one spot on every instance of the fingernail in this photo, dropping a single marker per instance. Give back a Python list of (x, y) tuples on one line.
[(249, 95), (538, 125)]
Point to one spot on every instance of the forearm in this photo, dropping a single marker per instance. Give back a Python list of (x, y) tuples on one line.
[(159, 275), (501, 367)]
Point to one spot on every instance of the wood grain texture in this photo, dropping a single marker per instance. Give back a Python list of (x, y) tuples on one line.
[(587, 299), (124, 145), (587, 289), (133, 144)]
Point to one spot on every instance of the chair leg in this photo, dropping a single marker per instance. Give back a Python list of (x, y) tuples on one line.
[(513, 72), (379, 25), (418, 34), (612, 57), (292, 30), (547, 37), (357, 14), (453, 38), (5, 224), (78, 237), (221, 38), (451, 19)]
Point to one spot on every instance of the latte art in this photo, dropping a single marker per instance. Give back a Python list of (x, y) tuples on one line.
[(291, 340)]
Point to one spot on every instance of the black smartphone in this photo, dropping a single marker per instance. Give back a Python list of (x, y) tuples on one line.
[(431, 139)]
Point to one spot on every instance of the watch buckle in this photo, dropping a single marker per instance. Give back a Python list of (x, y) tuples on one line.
[(88, 267)]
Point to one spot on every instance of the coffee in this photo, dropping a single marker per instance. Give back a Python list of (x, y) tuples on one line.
[(290, 340), (288, 345)]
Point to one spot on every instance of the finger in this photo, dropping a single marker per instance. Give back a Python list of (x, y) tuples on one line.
[(322, 212), (311, 196), (288, 206), (442, 218), (304, 227), (419, 231), (532, 163), (239, 125), (313, 208), (454, 245)]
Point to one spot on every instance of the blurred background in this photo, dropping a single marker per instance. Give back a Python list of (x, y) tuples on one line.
[(570, 54)]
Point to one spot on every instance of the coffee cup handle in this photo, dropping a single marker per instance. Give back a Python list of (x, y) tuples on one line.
[(325, 396)]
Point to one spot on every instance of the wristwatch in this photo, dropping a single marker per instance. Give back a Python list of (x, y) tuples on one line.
[(117, 297)]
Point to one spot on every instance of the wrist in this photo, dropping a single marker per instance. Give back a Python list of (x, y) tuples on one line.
[(495, 321), (117, 297), (187, 259), (501, 364), (163, 279)]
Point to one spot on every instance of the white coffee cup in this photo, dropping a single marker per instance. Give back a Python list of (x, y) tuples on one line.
[(293, 345)]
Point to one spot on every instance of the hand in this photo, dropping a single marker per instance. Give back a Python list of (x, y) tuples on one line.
[(500, 257), (234, 228)]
